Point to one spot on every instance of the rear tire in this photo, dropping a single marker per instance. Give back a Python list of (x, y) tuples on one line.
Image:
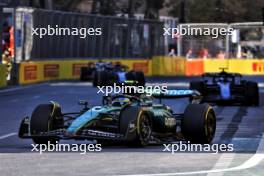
[(251, 94), (83, 73), (199, 123), (102, 78), (140, 77), (112, 78), (86, 74), (198, 85), (130, 76), (42, 121), (95, 79)]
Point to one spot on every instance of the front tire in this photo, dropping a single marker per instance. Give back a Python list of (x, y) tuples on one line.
[(198, 85), (45, 118), (142, 134), (199, 123)]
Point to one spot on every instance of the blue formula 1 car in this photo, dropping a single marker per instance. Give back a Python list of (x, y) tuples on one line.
[(107, 73), (227, 88), (132, 120)]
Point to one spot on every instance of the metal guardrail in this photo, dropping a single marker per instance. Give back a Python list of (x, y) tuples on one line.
[(221, 43), (121, 37)]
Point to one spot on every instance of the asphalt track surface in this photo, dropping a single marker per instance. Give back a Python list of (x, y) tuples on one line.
[(241, 126)]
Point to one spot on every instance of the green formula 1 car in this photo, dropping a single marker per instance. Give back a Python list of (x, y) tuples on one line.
[(134, 120)]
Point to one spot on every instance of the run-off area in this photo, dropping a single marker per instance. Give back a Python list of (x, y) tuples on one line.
[(241, 126)]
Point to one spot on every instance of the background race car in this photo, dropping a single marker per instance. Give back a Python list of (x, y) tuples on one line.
[(134, 120), (107, 73), (227, 88)]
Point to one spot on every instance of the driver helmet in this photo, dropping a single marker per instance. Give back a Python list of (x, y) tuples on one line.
[(121, 102)]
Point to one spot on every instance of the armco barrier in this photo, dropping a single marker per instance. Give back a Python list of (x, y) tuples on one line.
[(242, 66), (247, 66), (2, 75), (174, 66), (194, 67), (215, 65), (32, 72), (39, 71), (144, 65), (168, 66), (156, 64)]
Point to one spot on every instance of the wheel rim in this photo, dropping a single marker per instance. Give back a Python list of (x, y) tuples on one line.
[(210, 126), (145, 128)]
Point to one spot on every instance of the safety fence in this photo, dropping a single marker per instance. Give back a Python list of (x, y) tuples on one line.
[(168, 66), (3, 73), (39, 71), (243, 40), (77, 35)]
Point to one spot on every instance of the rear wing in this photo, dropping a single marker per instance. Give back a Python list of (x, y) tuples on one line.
[(222, 73)]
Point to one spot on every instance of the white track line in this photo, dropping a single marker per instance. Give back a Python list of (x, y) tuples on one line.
[(71, 84), (261, 85), (7, 135), (251, 162), (223, 162), (13, 89), (20, 88)]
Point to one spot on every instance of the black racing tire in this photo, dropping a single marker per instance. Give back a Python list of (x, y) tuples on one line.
[(251, 93), (42, 121), (85, 72), (198, 85), (102, 78), (130, 76), (199, 123), (142, 119), (82, 74), (140, 77), (112, 78), (95, 79)]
